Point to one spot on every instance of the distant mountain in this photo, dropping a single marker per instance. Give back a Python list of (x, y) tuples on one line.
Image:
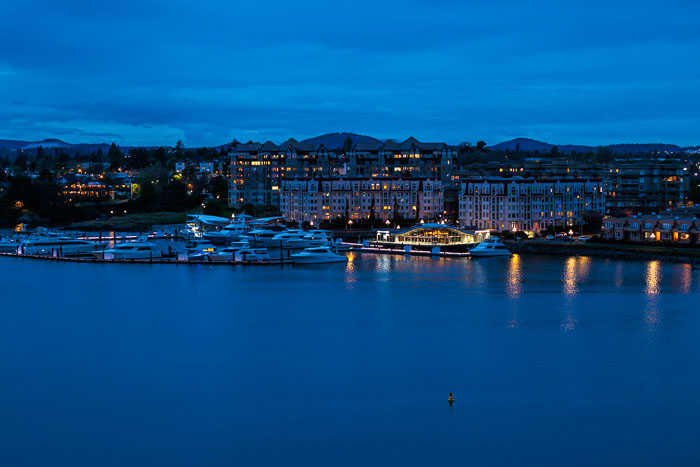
[(15, 145), (531, 145), (12, 144), (48, 143), (336, 140)]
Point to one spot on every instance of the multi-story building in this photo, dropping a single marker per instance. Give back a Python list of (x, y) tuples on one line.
[(629, 184), (257, 170), (666, 227), (528, 204), (646, 184), (392, 159), (317, 199)]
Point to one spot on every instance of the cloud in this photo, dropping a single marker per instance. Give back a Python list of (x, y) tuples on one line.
[(153, 72)]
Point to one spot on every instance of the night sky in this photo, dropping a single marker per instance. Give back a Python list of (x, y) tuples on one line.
[(139, 72)]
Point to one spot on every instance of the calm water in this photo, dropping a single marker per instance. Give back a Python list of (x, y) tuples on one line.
[(552, 361)]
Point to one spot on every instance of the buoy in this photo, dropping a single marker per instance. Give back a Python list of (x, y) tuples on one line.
[(450, 399)]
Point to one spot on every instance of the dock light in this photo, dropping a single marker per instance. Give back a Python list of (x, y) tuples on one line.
[(111, 212)]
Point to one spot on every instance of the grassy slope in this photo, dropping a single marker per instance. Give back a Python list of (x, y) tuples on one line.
[(131, 222)]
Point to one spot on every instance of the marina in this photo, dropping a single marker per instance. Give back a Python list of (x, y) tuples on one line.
[(239, 241)]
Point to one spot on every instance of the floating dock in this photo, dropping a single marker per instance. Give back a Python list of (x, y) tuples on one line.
[(95, 260), (380, 250)]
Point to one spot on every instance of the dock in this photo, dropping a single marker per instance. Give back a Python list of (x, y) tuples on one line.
[(176, 260), (380, 250)]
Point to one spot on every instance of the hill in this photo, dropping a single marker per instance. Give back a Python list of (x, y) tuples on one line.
[(531, 145), (20, 145), (336, 140)]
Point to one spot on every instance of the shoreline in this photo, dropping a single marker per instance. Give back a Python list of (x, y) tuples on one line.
[(632, 252)]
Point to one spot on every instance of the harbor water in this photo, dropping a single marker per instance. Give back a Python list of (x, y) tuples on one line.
[(551, 361)]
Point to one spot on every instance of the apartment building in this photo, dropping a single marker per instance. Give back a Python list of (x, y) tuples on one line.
[(528, 204), (666, 227), (410, 158), (256, 170), (317, 199), (629, 184)]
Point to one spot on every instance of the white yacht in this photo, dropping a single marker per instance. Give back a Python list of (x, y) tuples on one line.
[(490, 247), (318, 237), (257, 236), (201, 252), (228, 253), (228, 233), (291, 238), (318, 255), (134, 250), (63, 246), (252, 254), (10, 245)]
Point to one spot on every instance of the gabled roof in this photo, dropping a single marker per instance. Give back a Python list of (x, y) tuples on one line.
[(269, 146)]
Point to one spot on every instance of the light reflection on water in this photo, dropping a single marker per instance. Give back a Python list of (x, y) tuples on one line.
[(576, 271), (619, 275), (514, 279), (653, 278)]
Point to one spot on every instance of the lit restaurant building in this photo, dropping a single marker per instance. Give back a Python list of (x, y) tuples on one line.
[(428, 236)]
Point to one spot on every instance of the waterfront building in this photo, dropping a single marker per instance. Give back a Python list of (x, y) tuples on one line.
[(646, 184), (431, 235), (311, 199), (528, 204), (256, 170), (410, 158), (629, 184), (668, 227)]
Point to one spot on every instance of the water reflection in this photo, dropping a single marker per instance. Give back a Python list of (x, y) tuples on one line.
[(683, 277), (350, 272), (619, 275), (576, 271), (476, 274), (653, 277), (514, 279)]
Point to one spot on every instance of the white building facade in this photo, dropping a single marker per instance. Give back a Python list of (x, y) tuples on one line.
[(528, 204), (308, 199)]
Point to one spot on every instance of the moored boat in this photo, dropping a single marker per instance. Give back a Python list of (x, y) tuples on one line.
[(133, 250), (318, 255), (61, 246), (490, 247)]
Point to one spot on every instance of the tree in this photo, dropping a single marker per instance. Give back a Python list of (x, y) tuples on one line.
[(347, 145), (219, 187), (114, 156), (481, 145)]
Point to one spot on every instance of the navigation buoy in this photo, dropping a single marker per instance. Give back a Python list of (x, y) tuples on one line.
[(450, 399)]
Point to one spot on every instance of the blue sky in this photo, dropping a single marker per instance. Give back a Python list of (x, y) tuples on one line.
[(153, 72)]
